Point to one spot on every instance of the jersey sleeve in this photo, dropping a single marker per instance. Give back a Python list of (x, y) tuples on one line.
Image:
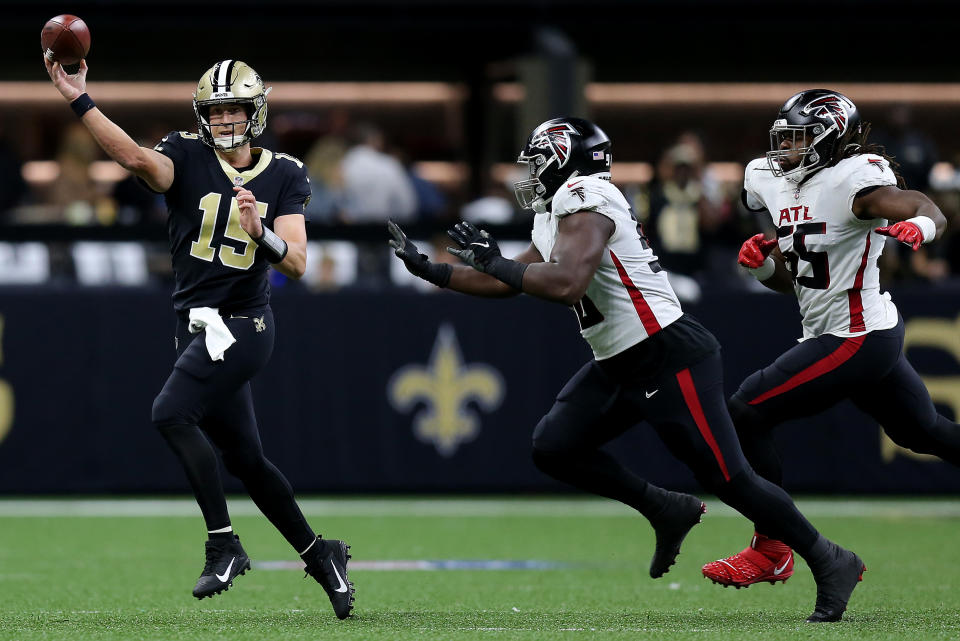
[(173, 146), (750, 196), (866, 170), (581, 195), (297, 192)]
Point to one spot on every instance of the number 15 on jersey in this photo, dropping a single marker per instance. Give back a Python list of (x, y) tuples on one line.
[(203, 248)]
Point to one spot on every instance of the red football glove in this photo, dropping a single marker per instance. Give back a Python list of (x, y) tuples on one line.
[(906, 232), (755, 250)]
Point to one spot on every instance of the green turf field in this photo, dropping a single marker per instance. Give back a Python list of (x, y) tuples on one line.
[(124, 570)]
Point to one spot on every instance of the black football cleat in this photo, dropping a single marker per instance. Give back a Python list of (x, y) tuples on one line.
[(671, 526), (327, 563), (835, 584), (225, 560)]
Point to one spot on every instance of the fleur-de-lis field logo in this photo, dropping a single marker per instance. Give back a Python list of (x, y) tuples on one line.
[(446, 386), (931, 333)]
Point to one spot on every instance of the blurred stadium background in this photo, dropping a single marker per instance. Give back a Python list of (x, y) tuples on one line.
[(416, 112), (423, 105)]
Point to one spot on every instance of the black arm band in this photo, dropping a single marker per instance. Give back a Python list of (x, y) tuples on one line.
[(274, 248), (508, 271), (438, 274), (82, 104)]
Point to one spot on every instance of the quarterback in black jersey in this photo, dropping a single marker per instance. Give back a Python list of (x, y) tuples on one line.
[(233, 209)]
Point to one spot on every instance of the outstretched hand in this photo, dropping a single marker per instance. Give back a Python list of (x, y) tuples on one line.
[(416, 263), (755, 250), (906, 232), (477, 247), (70, 87)]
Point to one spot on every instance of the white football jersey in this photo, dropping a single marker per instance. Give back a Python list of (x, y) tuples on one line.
[(629, 297), (832, 253)]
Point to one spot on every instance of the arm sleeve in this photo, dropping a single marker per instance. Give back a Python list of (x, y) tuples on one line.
[(750, 196), (296, 195)]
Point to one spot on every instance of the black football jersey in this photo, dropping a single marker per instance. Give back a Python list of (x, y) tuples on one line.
[(215, 262)]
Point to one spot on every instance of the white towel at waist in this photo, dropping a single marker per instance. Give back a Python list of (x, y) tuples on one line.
[(218, 337)]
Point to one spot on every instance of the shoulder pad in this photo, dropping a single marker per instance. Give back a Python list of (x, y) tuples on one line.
[(864, 170), (581, 194)]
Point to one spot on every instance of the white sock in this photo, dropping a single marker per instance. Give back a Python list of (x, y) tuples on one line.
[(222, 530)]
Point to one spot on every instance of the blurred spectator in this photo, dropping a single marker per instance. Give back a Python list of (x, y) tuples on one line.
[(431, 201), (12, 186), (497, 206), (914, 151), (376, 185), (677, 206), (78, 199), (323, 162)]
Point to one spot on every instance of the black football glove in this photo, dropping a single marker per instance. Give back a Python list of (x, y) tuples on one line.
[(415, 262), (477, 248)]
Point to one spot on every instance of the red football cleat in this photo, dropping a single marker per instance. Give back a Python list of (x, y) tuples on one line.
[(765, 560)]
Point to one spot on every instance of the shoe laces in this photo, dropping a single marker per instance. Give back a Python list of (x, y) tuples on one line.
[(747, 564)]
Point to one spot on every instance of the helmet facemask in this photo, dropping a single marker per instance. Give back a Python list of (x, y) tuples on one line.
[(533, 193), (805, 141)]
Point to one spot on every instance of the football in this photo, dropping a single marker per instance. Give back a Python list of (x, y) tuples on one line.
[(65, 39)]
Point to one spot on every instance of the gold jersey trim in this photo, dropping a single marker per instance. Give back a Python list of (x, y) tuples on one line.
[(241, 178)]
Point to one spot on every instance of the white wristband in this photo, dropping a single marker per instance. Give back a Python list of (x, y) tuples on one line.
[(764, 271), (926, 225)]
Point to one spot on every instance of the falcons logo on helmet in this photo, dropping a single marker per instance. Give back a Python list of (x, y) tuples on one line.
[(556, 137), (833, 107)]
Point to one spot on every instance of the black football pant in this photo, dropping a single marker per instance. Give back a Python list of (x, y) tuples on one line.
[(818, 373), (206, 401), (687, 408)]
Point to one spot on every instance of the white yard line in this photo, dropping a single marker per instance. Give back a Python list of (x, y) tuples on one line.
[(460, 507)]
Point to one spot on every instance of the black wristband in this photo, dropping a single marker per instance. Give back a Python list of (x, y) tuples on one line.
[(438, 274), (274, 248), (82, 104), (508, 271)]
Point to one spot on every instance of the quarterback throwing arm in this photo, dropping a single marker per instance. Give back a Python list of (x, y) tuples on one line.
[(157, 170)]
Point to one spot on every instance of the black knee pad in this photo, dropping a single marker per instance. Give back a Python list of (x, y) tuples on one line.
[(166, 412), (746, 418)]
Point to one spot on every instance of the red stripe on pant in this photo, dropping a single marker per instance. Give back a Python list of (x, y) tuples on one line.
[(826, 364), (689, 391)]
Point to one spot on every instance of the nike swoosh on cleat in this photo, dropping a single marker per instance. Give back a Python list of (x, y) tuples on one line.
[(226, 575), (779, 570), (343, 586), (649, 394)]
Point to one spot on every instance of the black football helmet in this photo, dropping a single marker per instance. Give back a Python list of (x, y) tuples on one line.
[(558, 150), (821, 123)]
